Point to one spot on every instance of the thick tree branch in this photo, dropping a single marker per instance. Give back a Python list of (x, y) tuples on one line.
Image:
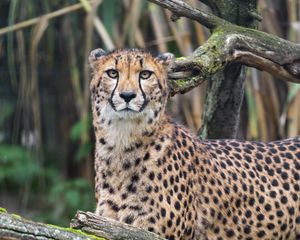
[(180, 8), (184, 76), (228, 44), (110, 229), (231, 44), (245, 12)]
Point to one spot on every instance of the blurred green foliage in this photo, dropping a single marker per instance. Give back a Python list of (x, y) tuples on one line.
[(78, 130), (42, 186), (71, 195), (16, 164)]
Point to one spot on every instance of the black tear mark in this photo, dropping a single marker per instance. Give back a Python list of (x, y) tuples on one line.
[(159, 85), (112, 95), (144, 97)]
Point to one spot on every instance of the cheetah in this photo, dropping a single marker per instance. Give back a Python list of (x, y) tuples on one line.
[(156, 175)]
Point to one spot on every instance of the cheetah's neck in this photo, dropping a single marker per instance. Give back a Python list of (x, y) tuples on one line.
[(122, 134)]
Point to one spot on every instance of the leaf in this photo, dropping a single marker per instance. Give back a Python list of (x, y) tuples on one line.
[(17, 164), (72, 198), (76, 130), (12, 154), (83, 151), (80, 127), (6, 111), (294, 90)]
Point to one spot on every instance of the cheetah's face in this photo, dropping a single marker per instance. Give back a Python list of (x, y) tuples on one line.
[(129, 83)]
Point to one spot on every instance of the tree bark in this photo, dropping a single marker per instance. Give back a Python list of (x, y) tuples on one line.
[(110, 229), (220, 60), (14, 227), (225, 89)]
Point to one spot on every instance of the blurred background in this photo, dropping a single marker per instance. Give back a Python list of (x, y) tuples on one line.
[(46, 136)]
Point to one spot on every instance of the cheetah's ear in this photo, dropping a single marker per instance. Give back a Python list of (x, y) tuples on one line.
[(95, 55), (166, 59)]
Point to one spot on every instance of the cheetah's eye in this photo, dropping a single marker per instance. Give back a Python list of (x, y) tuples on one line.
[(112, 73), (145, 74)]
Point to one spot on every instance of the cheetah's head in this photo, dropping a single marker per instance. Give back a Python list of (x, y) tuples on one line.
[(129, 84)]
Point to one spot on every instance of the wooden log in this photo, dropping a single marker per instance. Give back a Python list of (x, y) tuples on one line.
[(110, 229), (85, 226), (15, 227)]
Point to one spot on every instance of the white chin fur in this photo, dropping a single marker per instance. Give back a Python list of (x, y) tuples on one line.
[(124, 125), (127, 114), (120, 114), (123, 107)]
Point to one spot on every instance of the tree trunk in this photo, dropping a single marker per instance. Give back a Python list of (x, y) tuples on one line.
[(225, 89), (224, 97)]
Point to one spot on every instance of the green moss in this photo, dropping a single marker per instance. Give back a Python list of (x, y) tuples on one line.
[(16, 216), (2, 210), (180, 83), (212, 55), (76, 231)]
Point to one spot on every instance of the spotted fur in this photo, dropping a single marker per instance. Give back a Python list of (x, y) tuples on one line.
[(155, 174)]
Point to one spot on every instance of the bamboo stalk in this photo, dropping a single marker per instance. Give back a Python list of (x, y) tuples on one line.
[(159, 32), (36, 20)]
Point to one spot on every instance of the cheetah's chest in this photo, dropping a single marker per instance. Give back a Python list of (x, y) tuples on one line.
[(122, 182), (146, 189)]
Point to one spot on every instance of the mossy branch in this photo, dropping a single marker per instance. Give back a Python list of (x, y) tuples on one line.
[(16, 227), (228, 44), (86, 226)]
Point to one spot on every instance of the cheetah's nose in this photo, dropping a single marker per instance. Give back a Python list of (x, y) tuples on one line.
[(127, 96)]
